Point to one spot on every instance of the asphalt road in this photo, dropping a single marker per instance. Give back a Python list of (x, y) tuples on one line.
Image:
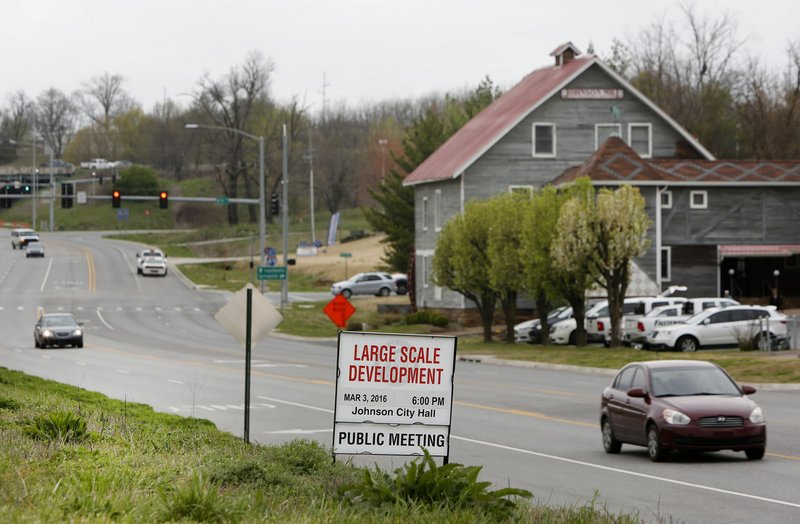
[(154, 340)]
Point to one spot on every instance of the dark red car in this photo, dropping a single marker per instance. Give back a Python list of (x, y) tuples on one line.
[(687, 405)]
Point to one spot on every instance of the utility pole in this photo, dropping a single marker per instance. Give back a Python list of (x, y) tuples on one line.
[(324, 96), (285, 218), (310, 157)]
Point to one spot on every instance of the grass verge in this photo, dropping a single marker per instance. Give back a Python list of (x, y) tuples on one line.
[(124, 462)]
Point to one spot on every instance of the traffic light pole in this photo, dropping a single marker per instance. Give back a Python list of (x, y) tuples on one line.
[(285, 218)]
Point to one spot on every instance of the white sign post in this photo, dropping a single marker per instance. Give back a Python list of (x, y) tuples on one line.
[(394, 394)]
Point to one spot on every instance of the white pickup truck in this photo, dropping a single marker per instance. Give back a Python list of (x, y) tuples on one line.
[(98, 163)]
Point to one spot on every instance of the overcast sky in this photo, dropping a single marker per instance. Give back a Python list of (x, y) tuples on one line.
[(368, 50)]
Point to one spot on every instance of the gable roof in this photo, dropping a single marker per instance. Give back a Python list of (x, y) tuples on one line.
[(616, 163), (470, 142)]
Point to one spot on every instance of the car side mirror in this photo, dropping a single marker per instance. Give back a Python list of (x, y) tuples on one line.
[(706, 321), (637, 392), (748, 389), (137, 255)]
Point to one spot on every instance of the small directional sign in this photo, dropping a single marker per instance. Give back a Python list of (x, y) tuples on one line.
[(345, 255), (271, 273), (222, 200)]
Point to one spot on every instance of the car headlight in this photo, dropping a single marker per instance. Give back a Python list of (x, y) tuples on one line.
[(675, 417), (77, 333), (47, 333), (757, 416)]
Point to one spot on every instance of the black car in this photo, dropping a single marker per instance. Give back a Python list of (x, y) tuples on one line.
[(57, 329)]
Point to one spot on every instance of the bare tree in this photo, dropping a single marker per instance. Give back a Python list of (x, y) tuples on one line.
[(16, 124), (230, 102), (55, 117), (103, 98)]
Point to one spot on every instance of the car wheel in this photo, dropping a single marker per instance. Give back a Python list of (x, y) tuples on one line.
[(35, 343), (384, 292), (687, 344), (402, 290), (573, 339), (758, 339), (754, 454), (80, 344), (654, 449), (610, 443), (346, 293)]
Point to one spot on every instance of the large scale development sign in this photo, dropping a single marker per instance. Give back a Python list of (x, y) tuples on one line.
[(394, 394)]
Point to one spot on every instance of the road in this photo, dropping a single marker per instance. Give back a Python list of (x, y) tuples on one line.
[(154, 340)]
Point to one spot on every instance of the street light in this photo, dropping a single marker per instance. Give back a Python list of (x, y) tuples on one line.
[(34, 174), (261, 223), (776, 274)]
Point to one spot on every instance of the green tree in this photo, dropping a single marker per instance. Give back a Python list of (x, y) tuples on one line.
[(138, 180), (607, 233), (461, 260), (506, 212), (394, 214)]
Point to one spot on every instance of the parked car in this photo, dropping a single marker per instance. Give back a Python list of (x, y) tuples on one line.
[(564, 332), (21, 236), (530, 331), (687, 405), (34, 249), (637, 328), (640, 309), (149, 252), (374, 283), (722, 327), (58, 163), (122, 163), (57, 329), (98, 163), (155, 266), (598, 324)]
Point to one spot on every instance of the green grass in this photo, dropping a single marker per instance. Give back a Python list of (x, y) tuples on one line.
[(138, 465), (768, 367)]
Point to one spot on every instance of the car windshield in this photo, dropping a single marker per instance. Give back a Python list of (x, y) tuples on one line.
[(689, 381), (59, 321), (153, 260)]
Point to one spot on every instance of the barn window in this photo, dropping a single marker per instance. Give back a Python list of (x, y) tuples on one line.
[(698, 199), (544, 139), (640, 139)]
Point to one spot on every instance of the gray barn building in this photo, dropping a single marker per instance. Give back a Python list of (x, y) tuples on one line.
[(580, 118)]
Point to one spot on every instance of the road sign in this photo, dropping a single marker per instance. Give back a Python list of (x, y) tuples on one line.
[(271, 273), (122, 214), (345, 255), (339, 310), (222, 200)]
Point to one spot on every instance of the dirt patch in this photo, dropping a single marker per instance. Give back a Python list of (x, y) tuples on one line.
[(329, 264)]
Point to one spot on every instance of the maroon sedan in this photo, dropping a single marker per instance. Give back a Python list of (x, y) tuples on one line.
[(687, 405)]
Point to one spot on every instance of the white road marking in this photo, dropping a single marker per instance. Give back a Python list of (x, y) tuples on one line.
[(61, 308), (20, 308), (158, 308), (80, 308), (278, 365), (138, 308), (173, 381), (233, 406), (197, 309), (78, 362), (177, 308), (17, 350), (631, 473), (119, 308), (221, 408), (124, 371), (324, 410), (46, 274), (109, 326), (46, 357), (205, 407)]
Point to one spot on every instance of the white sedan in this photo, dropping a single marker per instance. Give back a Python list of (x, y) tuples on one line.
[(155, 266), (743, 326)]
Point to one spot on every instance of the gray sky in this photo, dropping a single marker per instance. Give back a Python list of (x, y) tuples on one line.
[(369, 50)]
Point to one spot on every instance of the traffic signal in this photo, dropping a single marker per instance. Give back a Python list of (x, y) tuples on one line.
[(274, 204), (66, 196), (116, 198), (163, 200), (26, 188)]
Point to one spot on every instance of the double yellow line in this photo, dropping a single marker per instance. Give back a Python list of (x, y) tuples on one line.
[(92, 282)]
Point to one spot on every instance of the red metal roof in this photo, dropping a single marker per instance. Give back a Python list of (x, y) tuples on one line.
[(615, 162), (759, 250), (480, 133)]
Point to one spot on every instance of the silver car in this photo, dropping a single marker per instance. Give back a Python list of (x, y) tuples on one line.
[(34, 249), (379, 284)]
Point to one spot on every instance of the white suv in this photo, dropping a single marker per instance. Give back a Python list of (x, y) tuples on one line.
[(730, 326), (150, 252)]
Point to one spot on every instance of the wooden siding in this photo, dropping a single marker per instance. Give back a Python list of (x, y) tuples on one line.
[(696, 268)]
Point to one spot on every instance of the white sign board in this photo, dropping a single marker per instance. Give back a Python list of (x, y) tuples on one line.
[(81, 197), (394, 393), (233, 316)]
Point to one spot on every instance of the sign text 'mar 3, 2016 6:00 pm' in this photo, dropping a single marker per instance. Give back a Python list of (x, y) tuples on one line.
[(393, 393)]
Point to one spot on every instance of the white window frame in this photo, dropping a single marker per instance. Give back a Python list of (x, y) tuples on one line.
[(520, 188), (701, 205), (598, 127), (424, 213), (668, 203), (534, 153), (437, 210), (649, 128), (666, 269), (425, 271)]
